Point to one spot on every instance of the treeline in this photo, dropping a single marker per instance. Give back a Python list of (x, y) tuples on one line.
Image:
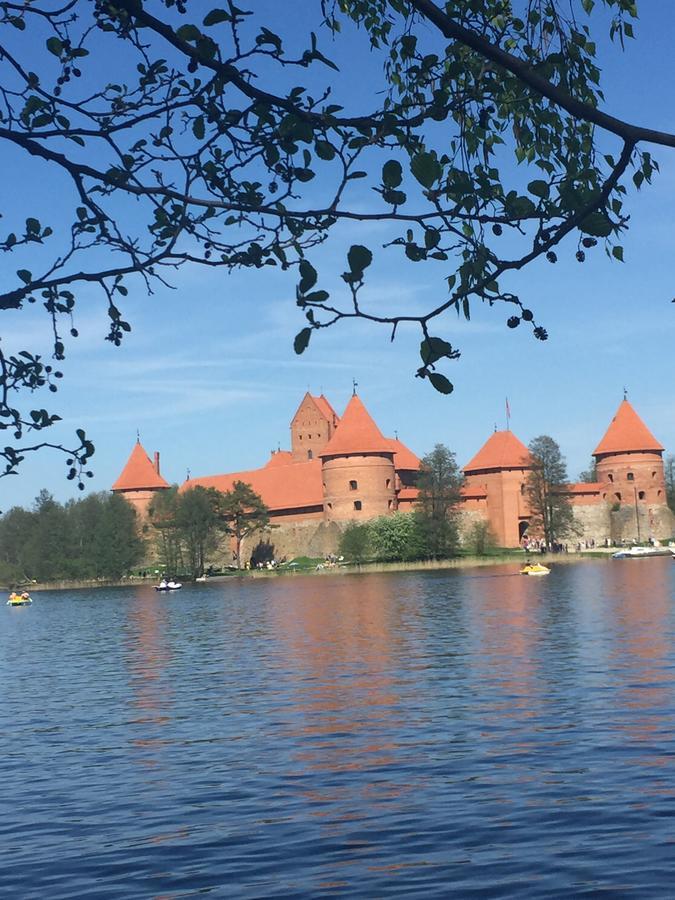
[(95, 537), (409, 537)]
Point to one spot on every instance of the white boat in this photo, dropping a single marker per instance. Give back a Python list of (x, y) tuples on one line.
[(168, 586), (642, 552)]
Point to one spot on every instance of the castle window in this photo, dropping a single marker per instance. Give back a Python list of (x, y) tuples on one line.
[(357, 504), (310, 455), (387, 482), (658, 493), (653, 474), (641, 495), (353, 486), (618, 497), (630, 476), (604, 496), (610, 477), (329, 505), (390, 503)]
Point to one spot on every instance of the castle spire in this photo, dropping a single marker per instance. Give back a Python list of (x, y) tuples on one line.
[(627, 433)]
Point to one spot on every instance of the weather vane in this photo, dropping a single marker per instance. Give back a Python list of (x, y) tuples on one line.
[(355, 384), (625, 393)]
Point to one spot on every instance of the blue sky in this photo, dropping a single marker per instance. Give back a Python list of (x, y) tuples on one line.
[(209, 377)]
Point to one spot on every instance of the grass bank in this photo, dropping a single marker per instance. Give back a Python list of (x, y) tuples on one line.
[(514, 558)]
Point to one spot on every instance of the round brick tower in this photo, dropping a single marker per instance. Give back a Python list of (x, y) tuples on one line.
[(140, 480), (629, 461), (359, 479)]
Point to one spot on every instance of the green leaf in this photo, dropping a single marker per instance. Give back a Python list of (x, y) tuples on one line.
[(617, 253), (539, 188), (188, 33), (324, 150), (302, 340), (216, 16), (392, 173), (441, 383), (359, 258), (426, 169), (317, 297), (198, 128), (308, 276), (433, 349), (596, 224), (54, 46)]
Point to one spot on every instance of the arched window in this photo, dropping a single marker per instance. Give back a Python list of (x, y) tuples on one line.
[(618, 497), (610, 477), (353, 485), (357, 504), (641, 495)]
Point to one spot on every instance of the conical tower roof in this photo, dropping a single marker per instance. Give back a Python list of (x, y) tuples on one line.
[(139, 473), (502, 450), (627, 432), (356, 433)]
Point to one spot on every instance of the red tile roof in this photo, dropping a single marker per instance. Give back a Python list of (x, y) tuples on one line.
[(280, 486), (404, 458), (408, 493), (279, 458), (326, 409), (502, 450), (627, 432), (585, 487), (139, 473), (356, 433)]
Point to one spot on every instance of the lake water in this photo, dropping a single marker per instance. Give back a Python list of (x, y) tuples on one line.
[(466, 733)]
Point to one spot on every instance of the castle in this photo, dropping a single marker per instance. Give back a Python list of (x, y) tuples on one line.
[(343, 469)]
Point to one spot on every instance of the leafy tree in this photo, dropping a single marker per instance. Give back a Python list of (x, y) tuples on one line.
[(116, 545), (589, 475), (199, 522), (397, 538), (16, 528), (479, 539), (439, 483), (669, 471), (206, 142), (546, 490), (244, 512), (355, 542), (163, 514)]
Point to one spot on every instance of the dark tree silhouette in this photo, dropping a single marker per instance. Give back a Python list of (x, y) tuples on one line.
[(183, 134)]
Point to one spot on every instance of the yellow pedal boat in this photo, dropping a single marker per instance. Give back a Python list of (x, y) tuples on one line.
[(535, 569), (19, 599)]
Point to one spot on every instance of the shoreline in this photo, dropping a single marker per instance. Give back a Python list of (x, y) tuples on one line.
[(465, 562)]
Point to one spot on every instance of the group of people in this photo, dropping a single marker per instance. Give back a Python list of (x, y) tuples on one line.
[(533, 545)]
